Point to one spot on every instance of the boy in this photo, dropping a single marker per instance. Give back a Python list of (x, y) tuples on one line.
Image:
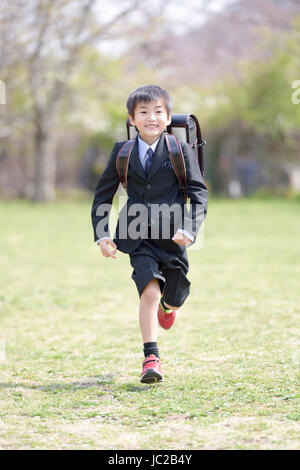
[(158, 250)]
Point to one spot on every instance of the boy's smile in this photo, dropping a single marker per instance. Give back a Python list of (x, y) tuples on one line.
[(151, 119)]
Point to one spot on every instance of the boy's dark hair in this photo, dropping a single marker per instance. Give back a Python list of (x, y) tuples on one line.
[(148, 93)]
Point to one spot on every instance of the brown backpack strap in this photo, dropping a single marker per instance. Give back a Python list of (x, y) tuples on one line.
[(122, 161), (177, 160)]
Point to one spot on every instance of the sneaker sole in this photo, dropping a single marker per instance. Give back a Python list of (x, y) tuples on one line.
[(166, 327), (151, 376)]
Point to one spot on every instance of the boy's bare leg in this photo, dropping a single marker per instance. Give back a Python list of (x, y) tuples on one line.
[(148, 311), (171, 306), (149, 301)]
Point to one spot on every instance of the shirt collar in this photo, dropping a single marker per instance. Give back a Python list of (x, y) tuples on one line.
[(143, 147)]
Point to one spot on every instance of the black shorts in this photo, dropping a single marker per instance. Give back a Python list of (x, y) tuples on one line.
[(169, 268)]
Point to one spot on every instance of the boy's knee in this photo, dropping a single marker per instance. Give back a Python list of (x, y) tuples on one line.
[(152, 291)]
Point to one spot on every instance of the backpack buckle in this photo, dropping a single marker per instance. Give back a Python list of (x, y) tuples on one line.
[(202, 143)]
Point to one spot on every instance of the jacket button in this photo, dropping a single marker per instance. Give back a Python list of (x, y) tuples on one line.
[(148, 204), (148, 186)]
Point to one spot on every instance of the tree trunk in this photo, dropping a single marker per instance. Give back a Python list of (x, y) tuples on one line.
[(45, 170)]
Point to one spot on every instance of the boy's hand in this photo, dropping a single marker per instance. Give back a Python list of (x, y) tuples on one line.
[(105, 250), (181, 239)]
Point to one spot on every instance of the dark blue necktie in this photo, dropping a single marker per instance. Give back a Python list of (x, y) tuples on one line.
[(149, 161)]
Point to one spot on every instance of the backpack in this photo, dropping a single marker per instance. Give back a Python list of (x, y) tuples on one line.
[(193, 137)]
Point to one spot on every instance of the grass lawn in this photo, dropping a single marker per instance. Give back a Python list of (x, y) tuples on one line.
[(71, 351)]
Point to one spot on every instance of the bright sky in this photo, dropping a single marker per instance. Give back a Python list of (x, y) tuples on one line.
[(189, 13), (182, 15)]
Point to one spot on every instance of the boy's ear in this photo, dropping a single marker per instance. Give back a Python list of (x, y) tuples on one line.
[(169, 119), (131, 120)]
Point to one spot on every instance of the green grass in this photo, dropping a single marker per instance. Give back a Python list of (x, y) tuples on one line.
[(71, 351)]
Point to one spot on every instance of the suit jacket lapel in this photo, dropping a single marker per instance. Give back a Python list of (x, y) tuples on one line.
[(160, 155), (135, 162)]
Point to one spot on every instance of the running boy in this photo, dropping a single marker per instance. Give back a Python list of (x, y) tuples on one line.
[(158, 250)]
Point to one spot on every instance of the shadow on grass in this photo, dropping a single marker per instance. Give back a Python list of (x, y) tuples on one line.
[(138, 388), (97, 381), (102, 382)]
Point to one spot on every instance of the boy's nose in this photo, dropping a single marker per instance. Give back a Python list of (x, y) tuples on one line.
[(151, 115)]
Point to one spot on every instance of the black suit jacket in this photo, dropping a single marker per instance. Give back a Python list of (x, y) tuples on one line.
[(161, 187)]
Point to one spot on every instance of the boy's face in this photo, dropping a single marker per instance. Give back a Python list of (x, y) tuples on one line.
[(150, 119)]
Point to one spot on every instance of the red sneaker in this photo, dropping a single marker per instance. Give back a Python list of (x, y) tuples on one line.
[(165, 319), (151, 370)]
